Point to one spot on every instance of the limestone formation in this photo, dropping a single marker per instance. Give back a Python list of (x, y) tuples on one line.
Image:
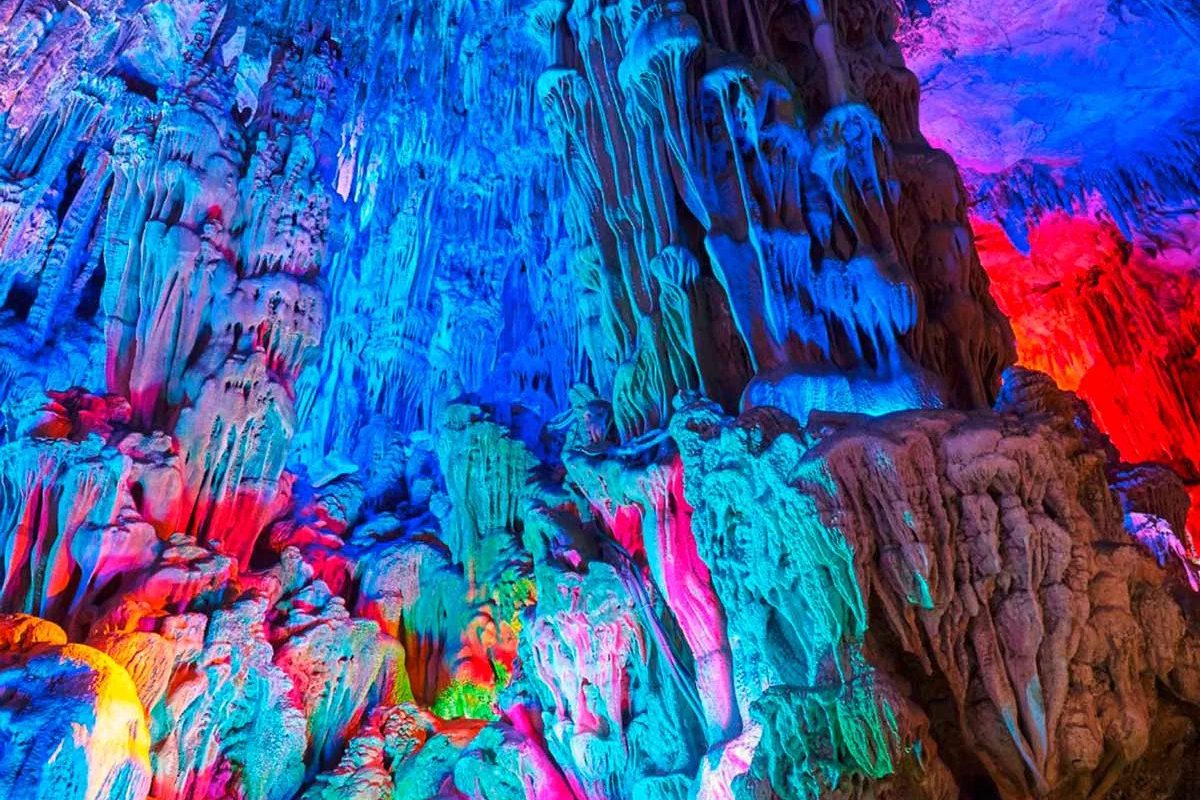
[(576, 400)]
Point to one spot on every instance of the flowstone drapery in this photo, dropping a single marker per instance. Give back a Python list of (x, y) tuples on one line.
[(732, 224)]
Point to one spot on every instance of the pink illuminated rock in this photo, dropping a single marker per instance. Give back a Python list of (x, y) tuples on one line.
[(643, 508), (75, 414)]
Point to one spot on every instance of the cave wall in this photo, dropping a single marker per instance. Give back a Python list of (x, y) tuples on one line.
[(489, 399)]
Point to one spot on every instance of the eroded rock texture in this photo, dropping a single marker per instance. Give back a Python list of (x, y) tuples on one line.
[(562, 399)]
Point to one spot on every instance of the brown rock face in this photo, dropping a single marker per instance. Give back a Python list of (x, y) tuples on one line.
[(802, 532), (1022, 640), (1002, 570)]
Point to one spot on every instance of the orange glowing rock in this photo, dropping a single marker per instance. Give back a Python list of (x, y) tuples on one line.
[(71, 723)]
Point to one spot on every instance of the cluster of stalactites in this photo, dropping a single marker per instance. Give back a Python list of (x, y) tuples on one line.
[(446, 279), (698, 193), (183, 195)]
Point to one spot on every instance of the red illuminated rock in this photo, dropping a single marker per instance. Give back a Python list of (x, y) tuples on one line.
[(1118, 323)]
